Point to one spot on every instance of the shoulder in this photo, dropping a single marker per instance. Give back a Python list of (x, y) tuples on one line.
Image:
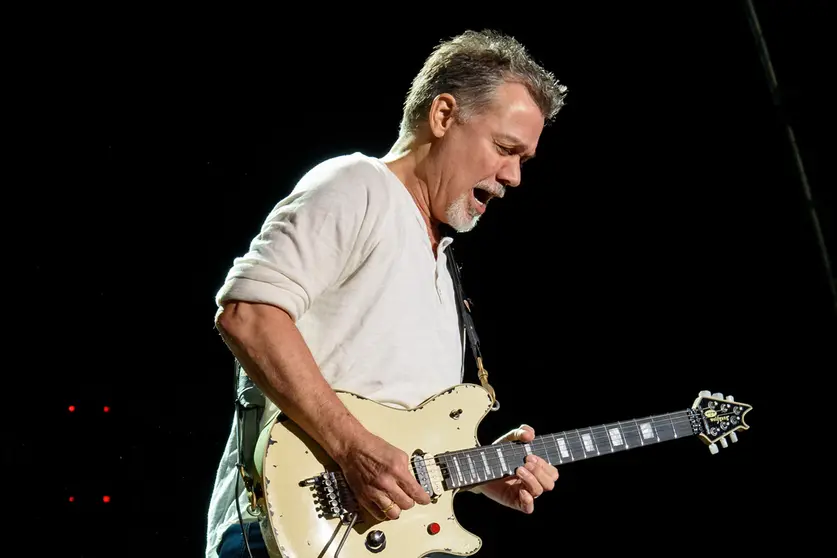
[(358, 179), (343, 200)]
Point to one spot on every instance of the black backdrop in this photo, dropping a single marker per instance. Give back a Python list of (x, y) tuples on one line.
[(660, 245)]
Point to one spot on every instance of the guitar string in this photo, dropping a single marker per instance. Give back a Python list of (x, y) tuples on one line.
[(543, 444), (599, 432), (515, 450)]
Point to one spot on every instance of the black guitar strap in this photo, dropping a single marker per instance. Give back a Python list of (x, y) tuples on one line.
[(466, 323)]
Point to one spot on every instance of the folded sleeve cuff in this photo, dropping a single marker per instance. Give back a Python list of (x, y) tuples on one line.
[(255, 291)]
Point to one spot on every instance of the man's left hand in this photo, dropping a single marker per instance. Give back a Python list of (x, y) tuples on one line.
[(529, 481)]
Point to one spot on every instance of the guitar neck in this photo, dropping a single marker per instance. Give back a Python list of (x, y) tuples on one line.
[(468, 467)]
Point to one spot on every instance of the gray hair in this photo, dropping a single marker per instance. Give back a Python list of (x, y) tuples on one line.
[(470, 67)]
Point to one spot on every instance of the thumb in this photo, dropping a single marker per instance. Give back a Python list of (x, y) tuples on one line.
[(524, 433)]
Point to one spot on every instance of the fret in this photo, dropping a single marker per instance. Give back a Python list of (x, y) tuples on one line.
[(665, 428), (561, 445), (633, 439), (682, 424), (615, 437), (551, 450), (490, 472), (503, 465), (574, 442), (445, 465), (460, 478), (625, 441), (673, 429), (639, 433), (589, 442)]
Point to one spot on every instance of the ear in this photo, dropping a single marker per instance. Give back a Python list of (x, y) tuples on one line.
[(442, 110)]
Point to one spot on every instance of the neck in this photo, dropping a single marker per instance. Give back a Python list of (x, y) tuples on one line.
[(404, 161), (473, 466)]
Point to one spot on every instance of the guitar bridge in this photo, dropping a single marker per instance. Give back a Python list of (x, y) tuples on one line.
[(332, 496)]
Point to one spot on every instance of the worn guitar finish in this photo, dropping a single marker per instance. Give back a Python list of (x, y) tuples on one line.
[(311, 512)]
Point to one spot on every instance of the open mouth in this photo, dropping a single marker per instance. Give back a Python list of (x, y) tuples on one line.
[(482, 196)]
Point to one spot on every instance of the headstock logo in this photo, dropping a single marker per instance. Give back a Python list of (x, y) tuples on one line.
[(710, 413)]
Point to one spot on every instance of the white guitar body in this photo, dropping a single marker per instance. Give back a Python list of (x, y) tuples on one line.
[(293, 527)]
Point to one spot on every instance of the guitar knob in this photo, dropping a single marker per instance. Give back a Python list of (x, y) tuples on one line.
[(376, 541), (733, 436), (713, 448)]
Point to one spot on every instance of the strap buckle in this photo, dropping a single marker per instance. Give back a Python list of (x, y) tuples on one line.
[(482, 373)]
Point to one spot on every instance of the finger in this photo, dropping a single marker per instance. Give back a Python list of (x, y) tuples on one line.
[(377, 501), (393, 512), (541, 470), (397, 495), (530, 481), (390, 510), (412, 490), (525, 433)]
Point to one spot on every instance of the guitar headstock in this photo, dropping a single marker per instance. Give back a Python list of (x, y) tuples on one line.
[(719, 418)]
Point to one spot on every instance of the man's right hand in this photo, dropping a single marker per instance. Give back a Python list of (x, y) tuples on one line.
[(380, 477)]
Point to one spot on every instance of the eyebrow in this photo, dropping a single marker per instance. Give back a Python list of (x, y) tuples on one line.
[(517, 143)]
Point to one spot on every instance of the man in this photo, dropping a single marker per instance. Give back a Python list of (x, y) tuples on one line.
[(346, 286)]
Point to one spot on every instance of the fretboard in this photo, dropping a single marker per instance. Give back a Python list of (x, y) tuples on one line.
[(463, 468)]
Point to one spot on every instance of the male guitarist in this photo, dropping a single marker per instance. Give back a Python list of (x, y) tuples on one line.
[(347, 287)]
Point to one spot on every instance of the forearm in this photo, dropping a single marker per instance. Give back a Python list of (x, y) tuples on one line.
[(271, 349)]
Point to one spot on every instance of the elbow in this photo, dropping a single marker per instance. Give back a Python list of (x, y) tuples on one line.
[(237, 320), (232, 319)]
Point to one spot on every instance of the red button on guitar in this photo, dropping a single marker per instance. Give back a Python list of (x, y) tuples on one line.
[(433, 528)]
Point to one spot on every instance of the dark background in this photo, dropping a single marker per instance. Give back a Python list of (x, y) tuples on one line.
[(660, 245)]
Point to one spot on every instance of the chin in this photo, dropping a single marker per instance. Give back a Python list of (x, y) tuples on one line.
[(460, 218), (466, 226)]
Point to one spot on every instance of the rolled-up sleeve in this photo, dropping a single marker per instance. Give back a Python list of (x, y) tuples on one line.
[(304, 244)]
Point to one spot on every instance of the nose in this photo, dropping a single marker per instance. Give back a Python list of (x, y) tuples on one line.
[(509, 174)]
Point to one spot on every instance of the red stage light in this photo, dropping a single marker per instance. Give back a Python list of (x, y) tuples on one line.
[(106, 409), (105, 499), (72, 499), (72, 408)]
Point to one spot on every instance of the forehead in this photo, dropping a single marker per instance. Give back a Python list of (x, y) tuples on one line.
[(515, 116)]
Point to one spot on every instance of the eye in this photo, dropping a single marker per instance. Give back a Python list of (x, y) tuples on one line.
[(505, 150)]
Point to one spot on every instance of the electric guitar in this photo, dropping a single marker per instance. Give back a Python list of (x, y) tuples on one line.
[(310, 511)]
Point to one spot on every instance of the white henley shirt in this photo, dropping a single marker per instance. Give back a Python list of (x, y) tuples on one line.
[(347, 255)]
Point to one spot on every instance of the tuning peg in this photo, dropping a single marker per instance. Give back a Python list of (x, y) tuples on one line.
[(719, 395), (733, 436), (724, 443), (713, 448), (705, 393), (729, 398)]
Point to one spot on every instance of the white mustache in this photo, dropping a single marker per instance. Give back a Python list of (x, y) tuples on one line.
[(496, 190)]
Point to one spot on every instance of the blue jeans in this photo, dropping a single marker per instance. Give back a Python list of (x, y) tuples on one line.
[(232, 543)]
